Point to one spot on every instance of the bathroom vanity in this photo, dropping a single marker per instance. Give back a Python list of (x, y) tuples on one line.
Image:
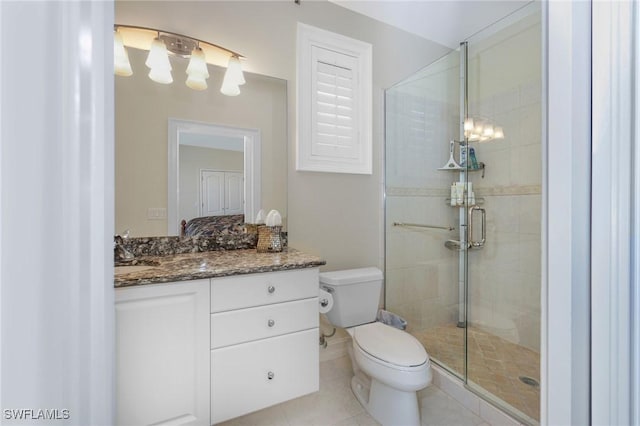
[(206, 337)]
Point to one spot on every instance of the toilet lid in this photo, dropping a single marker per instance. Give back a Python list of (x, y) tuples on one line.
[(390, 344)]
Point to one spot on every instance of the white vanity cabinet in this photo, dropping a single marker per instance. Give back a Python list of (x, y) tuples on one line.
[(162, 354), (264, 340)]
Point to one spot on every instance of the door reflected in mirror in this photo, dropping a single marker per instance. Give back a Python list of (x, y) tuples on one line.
[(214, 171)]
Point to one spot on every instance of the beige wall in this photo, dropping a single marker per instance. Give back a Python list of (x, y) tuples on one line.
[(192, 160), (336, 216), (142, 108)]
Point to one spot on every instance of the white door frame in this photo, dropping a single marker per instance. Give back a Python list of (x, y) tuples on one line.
[(57, 331), (615, 215), (565, 369), (252, 166)]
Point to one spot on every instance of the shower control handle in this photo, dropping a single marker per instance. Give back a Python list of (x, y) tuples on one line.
[(472, 243), (271, 289), (271, 323)]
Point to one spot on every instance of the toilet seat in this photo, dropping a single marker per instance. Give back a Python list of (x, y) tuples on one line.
[(390, 345)]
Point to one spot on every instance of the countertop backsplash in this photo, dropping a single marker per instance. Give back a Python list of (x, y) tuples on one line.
[(166, 246)]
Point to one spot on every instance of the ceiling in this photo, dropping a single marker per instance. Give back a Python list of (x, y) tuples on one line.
[(446, 22)]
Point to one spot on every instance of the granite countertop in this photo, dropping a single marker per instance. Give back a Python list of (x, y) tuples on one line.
[(210, 264)]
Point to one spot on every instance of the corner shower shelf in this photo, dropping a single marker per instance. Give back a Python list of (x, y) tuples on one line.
[(481, 166)]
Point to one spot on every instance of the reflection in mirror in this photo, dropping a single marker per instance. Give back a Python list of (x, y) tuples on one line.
[(143, 109), (214, 171)]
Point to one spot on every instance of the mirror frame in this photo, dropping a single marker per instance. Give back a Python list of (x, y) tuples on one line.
[(252, 166)]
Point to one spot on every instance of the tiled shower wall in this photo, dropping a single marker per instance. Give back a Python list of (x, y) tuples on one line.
[(422, 116), (421, 274), (505, 85)]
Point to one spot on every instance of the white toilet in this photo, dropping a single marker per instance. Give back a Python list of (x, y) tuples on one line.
[(390, 365)]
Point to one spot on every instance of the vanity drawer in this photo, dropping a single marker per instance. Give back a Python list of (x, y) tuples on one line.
[(245, 325), (244, 291), (255, 375)]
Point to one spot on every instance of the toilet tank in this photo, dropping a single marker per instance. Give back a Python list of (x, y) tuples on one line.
[(356, 295)]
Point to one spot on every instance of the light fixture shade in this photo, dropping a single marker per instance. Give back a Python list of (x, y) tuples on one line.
[(487, 131), (161, 76), (498, 133), (197, 71), (229, 89), (234, 71), (121, 64), (197, 64), (158, 61), (196, 83)]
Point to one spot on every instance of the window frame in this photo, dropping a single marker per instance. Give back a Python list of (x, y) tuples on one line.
[(309, 39)]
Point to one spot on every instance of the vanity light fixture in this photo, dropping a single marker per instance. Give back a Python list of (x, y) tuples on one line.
[(161, 44)]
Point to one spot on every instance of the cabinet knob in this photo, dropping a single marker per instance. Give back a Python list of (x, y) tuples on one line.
[(271, 323), (270, 375), (271, 289)]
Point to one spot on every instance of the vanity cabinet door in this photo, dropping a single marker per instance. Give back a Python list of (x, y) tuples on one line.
[(162, 359)]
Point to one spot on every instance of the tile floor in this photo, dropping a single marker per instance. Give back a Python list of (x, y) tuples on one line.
[(335, 405), (495, 364)]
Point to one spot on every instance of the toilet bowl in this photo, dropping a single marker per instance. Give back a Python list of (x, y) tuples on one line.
[(390, 365)]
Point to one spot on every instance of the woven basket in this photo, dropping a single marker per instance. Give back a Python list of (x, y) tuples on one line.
[(269, 240)]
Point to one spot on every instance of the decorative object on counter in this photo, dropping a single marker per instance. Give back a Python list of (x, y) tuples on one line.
[(269, 235), (273, 218), (161, 43), (269, 239)]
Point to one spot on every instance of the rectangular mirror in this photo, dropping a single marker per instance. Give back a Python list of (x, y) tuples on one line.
[(163, 149)]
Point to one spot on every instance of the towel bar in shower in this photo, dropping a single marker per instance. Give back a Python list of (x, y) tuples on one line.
[(419, 225)]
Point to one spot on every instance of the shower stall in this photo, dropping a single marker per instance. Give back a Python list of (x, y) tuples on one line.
[(463, 210)]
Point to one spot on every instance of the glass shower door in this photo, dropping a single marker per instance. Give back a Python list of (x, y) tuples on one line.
[(463, 201), (424, 278), (503, 275)]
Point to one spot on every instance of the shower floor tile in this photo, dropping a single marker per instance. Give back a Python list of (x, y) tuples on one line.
[(495, 364)]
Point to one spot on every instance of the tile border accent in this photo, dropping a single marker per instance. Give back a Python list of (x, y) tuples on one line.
[(480, 191)]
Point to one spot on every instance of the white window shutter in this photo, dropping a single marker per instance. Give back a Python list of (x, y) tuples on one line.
[(334, 103), (334, 128)]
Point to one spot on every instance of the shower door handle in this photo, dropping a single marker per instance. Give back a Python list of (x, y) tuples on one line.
[(477, 244)]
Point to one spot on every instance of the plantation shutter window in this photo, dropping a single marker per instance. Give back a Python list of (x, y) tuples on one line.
[(335, 130), (334, 101)]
